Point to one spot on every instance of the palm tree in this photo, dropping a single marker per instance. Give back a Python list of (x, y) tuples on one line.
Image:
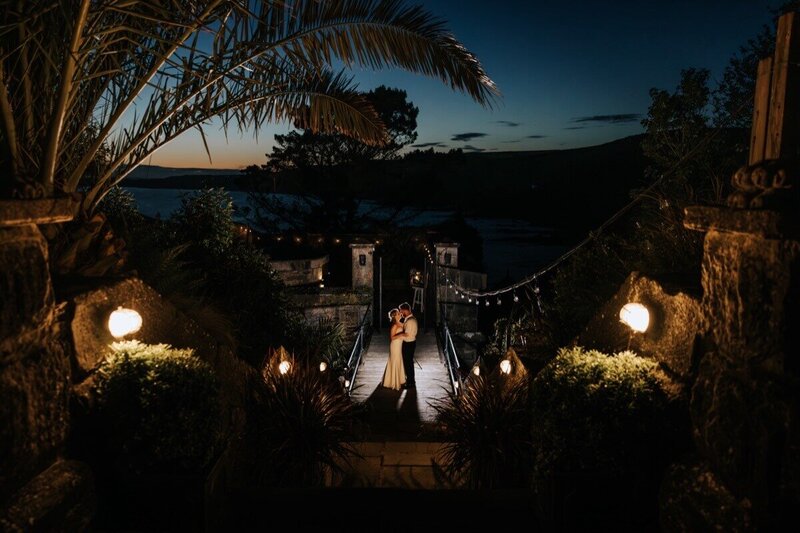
[(91, 88)]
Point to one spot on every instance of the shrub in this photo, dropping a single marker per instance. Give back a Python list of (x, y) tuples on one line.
[(487, 429), (158, 410), (599, 426), (323, 341), (300, 423)]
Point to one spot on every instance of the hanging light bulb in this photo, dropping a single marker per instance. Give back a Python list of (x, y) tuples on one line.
[(476, 370), (487, 303), (499, 301), (323, 366), (470, 300), (516, 298), (505, 366), (284, 367)]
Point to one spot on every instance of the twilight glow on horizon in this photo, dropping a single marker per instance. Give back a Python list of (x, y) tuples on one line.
[(574, 74)]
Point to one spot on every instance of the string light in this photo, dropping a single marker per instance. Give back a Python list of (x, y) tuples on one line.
[(499, 301), (487, 303), (516, 298), (592, 236)]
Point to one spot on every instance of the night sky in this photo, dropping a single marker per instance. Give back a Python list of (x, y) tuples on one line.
[(572, 73)]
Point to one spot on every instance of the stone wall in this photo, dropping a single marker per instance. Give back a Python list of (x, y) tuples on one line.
[(676, 321), (462, 315), (37, 489), (744, 401), (346, 306), (294, 272)]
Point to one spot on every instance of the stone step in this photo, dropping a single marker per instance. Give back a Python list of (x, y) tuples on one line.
[(409, 465)]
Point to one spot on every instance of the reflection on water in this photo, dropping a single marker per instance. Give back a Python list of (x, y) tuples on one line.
[(512, 249)]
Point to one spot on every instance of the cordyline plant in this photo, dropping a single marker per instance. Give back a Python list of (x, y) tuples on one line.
[(91, 88)]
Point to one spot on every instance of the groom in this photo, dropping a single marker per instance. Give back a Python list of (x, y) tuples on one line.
[(409, 343)]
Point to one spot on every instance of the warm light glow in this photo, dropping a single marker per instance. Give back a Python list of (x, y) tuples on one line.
[(635, 316), (321, 285), (505, 366), (323, 366), (346, 383), (124, 322), (284, 367), (476, 370)]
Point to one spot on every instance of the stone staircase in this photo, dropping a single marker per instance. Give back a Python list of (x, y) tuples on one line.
[(398, 465)]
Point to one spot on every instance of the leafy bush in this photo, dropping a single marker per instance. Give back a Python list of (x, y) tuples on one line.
[(300, 423), (158, 409), (487, 429), (599, 427), (313, 343)]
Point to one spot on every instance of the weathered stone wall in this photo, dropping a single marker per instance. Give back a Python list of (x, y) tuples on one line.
[(341, 305), (461, 314), (294, 272), (744, 401), (37, 490), (676, 321)]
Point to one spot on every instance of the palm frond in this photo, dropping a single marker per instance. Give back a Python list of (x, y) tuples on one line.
[(179, 64)]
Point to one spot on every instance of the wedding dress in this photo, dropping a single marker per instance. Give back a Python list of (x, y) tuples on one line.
[(395, 375)]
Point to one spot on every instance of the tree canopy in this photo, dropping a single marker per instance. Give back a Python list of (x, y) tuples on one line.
[(127, 77)]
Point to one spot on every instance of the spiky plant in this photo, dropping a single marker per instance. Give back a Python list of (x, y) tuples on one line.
[(300, 424), (488, 431), (90, 89)]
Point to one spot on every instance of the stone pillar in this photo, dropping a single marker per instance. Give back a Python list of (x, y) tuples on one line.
[(447, 254), (37, 491), (363, 269), (744, 407)]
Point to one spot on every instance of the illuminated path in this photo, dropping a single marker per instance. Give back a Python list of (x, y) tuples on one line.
[(406, 414)]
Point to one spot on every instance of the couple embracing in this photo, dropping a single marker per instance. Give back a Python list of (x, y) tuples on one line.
[(399, 373)]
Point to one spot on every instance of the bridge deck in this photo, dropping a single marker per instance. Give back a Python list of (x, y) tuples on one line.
[(405, 414)]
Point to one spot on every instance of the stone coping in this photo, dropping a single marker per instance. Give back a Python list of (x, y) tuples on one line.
[(333, 296), (761, 222), (282, 265), (41, 211)]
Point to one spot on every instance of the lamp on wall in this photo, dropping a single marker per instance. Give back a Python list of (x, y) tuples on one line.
[(123, 322), (635, 316)]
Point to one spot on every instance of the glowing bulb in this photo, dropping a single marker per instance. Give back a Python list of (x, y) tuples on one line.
[(346, 383), (505, 366), (516, 298), (124, 322), (284, 367), (323, 366), (470, 300), (476, 370), (499, 301), (635, 316), (487, 303)]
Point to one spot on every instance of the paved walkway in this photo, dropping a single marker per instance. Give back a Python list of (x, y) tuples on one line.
[(407, 414)]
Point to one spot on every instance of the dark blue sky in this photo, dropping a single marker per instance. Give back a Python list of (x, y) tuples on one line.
[(571, 73)]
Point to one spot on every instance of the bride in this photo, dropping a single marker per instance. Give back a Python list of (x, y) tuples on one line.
[(395, 376)]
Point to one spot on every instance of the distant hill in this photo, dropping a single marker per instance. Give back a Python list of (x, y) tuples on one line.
[(155, 172), (567, 188)]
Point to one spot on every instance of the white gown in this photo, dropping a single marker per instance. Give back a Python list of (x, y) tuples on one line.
[(395, 375)]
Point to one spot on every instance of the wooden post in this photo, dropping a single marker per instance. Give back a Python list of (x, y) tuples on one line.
[(758, 133), (783, 137)]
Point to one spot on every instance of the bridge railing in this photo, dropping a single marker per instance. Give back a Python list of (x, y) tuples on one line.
[(354, 361), (450, 356)]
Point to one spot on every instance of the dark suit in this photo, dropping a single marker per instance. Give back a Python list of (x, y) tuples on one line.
[(409, 347)]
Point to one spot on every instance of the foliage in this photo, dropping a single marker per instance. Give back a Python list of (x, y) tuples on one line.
[(322, 166), (181, 64), (602, 421), (158, 409), (314, 343), (300, 425), (487, 429), (205, 219)]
